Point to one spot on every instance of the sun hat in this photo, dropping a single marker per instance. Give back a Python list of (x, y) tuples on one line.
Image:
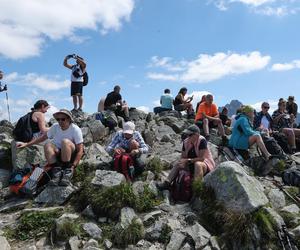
[(193, 129), (65, 112), (128, 128), (247, 109)]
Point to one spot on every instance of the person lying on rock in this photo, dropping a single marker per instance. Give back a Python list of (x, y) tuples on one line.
[(195, 157), (65, 149), (129, 141), (208, 117), (244, 136)]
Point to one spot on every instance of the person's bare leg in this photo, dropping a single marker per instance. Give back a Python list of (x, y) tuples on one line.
[(74, 101), (200, 170), (205, 126), (67, 148), (290, 137), (50, 152), (80, 98), (220, 127), (258, 140)]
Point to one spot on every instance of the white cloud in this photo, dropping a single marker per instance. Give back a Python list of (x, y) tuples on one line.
[(286, 66), (156, 103), (253, 2), (26, 25), (206, 68), (144, 108), (44, 82)]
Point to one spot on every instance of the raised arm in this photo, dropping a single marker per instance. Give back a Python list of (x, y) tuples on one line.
[(69, 66)]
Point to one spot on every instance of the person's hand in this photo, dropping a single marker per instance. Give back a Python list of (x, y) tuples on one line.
[(21, 144), (134, 152), (292, 117), (204, 115), (118, 151), (69, 56), (183, 162)]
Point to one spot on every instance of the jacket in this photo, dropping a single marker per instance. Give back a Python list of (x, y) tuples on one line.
[(259, 116)]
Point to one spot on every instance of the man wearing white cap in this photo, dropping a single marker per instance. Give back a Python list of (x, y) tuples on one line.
[(130, 141), (66, 145)]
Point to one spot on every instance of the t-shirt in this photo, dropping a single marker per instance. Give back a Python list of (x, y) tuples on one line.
[(77, 68), (73, 133), (265, 122), (112, 98), (209, 110), (166, 101), (192, 153)]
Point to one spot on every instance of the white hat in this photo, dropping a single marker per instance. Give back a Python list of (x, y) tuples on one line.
[(128, 128)]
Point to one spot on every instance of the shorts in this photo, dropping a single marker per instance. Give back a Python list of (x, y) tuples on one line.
[(76, 88), (180, 107)]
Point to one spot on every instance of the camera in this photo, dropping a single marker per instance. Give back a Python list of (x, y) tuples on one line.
[(74, 56)]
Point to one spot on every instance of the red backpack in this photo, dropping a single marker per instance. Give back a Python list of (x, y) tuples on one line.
[(181, 188), (122, 162)]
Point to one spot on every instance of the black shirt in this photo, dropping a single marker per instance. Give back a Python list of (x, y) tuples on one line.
[(112, 98), (224, 118), (192, 153)]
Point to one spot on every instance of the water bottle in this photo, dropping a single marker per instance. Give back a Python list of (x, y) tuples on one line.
[(131, 171)]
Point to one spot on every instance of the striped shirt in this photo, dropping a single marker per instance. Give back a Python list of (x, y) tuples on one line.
[(119, 141)]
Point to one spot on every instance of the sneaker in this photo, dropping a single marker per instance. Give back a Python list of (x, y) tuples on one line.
[(163, 185), (56, 176), (74, 110), (79, 109), (66, 178)]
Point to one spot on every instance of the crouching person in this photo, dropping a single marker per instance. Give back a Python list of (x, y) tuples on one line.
[(130, 143), (195, 157), (65, 149)]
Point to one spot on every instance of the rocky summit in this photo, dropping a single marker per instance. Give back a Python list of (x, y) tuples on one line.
[(232, 208)]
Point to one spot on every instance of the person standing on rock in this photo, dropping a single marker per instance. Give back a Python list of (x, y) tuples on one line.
[(76, 79), (65, 150), (195, 157), (129, 141)]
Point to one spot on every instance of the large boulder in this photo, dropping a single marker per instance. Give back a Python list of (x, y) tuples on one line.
[(127, 216), (96, 156), (97, 129), (55, 195), (135, 114), (199, 235), (107, 179), (176, 241), (29, 155), (178, 125), (92, 230), (4, 245), (163, 130), (235, 188)]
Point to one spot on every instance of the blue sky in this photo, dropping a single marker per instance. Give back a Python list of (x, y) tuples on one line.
[(235, 49)]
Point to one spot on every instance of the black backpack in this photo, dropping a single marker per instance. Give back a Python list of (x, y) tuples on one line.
[(23, 131), (272, 146), (291, 176), (282, 141), (85, 78)]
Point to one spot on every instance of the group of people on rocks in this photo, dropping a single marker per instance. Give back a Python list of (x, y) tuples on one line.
[(64, 140)]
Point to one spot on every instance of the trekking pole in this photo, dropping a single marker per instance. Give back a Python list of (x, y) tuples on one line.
[(281, 239), (287, 237), (296, 200)]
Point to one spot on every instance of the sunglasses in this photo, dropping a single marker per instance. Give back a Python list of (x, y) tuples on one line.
[(60, 119), (266, 107)]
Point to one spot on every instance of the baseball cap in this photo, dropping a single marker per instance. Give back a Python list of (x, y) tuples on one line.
[(193, 129), (128, 128)]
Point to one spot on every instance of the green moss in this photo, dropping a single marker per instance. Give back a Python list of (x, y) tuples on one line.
[(33, 225), (84, 195), (130, 235), (156, 166), (165, 234), (197, 187)]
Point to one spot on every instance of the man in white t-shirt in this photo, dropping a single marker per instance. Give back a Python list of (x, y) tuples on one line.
[(263, 120), (65, 147)]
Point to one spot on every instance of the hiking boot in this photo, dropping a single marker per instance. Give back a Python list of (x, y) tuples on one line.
[(66, 178), (56, 176), (74, 110), (163, 185), (79, 109)]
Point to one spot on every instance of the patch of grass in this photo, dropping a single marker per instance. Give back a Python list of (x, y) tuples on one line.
[(69, 229), (290, 219), (147, 200), (33, 225), (156, 166), (197, 187), (165, 234), (81, 172), (130, 235)]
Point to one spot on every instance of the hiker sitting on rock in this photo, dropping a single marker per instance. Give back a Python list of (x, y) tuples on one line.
[(195, 157), (244, 136), (263, 120), (291, 106), (208, 117), (113, 102), (283, 122), (180, 104), (66, 147), (131, 142), (166, 102)]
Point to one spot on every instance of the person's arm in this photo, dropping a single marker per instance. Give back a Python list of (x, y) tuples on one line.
[(79, 150), (112, 145), (247, 130), (82, 64), (143, 149), (66, 62), (41, 122), (276, 118), (33, 141)]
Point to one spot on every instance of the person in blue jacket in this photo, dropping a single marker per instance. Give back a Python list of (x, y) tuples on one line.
[(243, 135)]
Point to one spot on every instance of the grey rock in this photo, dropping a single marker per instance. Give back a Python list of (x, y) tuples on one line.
[(235, 188), (4, 245), (154, 231), (138, 187), (6, 123), (178, 125), (41, 209), (207, 248), (108, 244), (140, 126), (173, 113), (127, 216), (135, 115), (214, 152), (296, 232), (166, 138), (275, 216), (150, 117), (92, 230), (96, 156), (104, 178), (74, 243), (97, 129), (4, 178), (55, 195), (151, 217), (190, 218), (276, 198), (163, 130), (41, 243), (186, 247), (293, 209), (173, 223), (88, 212), (150, 176), (91, 243), (176, 241), (31, 155), (87, 135), (153, 188), (149, 137), (214, 243), (199, 234), (13, 205)]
